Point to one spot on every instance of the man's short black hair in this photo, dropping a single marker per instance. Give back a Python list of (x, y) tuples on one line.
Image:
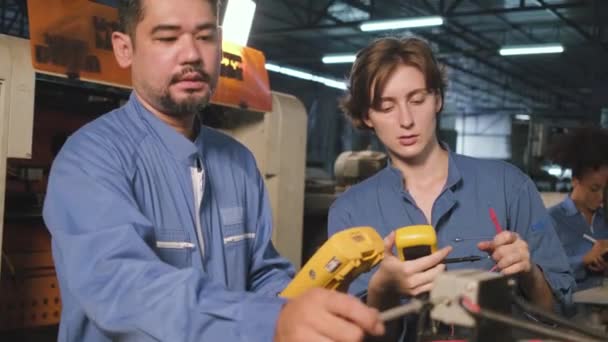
[(131, 12)]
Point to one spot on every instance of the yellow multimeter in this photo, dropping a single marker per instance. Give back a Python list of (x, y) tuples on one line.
[(341, 259), (413, 242)]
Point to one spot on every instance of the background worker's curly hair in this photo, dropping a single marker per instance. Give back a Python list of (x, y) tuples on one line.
[(583, 149)]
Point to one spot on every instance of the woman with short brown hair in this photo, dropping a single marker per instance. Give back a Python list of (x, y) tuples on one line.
[(482, 208)]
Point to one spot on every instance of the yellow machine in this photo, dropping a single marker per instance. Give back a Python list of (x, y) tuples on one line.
[(340, 260), (413, 242)]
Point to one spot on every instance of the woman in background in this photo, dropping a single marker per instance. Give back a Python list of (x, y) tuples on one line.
[(579, 219)]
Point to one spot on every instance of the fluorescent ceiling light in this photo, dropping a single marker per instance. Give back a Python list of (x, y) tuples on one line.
[(522, 117), (401, 23), (334, 59), (530, 49), (237, 21), (333, 83), (553, 170)]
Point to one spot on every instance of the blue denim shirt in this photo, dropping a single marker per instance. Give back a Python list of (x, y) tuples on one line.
[(120, 208), (461, 215), (570, 226)]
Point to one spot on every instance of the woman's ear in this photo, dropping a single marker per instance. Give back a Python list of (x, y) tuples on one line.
[(123, 49), (367, 121), (438, 102)]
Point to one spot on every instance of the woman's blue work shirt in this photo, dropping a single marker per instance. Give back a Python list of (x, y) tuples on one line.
[(461, 215), (570, 226), (131, 266)]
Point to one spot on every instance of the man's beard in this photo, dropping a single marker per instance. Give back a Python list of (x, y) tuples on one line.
[(189, 106), (193, 104)]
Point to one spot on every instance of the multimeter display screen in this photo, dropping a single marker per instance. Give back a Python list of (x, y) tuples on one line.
[(415, 252)]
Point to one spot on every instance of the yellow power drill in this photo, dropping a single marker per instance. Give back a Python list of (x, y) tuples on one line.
[(341, 259)]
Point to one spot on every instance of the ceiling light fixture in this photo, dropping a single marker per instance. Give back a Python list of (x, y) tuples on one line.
[(380, 25), (336, 59), (530, 49), (333, 83), (237, 21)]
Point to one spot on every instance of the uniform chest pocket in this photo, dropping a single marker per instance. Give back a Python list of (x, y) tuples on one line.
[(233, 227), (174, 247), (237, 246)]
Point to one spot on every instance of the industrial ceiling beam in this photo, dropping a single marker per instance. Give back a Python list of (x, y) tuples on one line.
[(539, 70), (490, 80), (479, 76), (360, 6), (323, 13), (568, 22), (450, 10), (495, 66), (293, 5), (290, 47), (520, 9), (449, 14), (574, 26), (474, 56), (298, 4), (292, 11), (532, 84), (430, 6), (500, 95), (295, 42)]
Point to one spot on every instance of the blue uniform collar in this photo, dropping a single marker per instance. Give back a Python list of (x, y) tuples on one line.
[(178, 145), (454, 177), (570, 209), (568, 206), (444, 202)]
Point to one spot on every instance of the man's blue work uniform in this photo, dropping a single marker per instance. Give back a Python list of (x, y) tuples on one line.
[(138, 259), (571, 226)]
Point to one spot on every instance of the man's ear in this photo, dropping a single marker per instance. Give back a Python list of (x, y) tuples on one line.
[(123, 49)]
